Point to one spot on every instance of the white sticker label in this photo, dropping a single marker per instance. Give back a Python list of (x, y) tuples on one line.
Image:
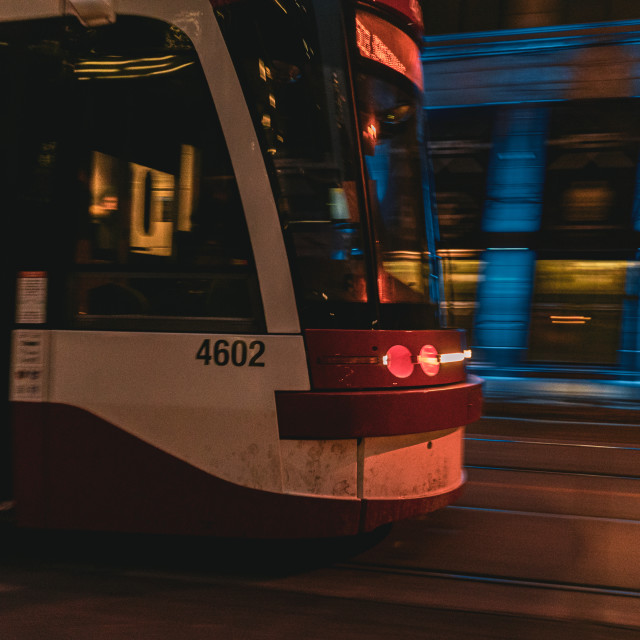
[(28, 370), (31, 297)]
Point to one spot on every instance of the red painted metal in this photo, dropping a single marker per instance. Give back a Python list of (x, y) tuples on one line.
[(362, 352), (380, 512), (356, 414)]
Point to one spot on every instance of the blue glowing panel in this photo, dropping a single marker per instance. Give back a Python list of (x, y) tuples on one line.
[(504, 300), (515, 182), (630, 338), (636, 202)]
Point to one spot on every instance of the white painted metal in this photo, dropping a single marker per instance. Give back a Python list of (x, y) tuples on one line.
[(424, 464), (221, 419), (21, 10), (414, 466), (92, 13), (320, 467)]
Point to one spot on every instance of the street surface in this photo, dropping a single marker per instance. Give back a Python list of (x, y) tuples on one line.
[(162, 589), (544, 543)]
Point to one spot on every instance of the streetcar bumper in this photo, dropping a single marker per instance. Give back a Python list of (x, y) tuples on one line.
[(99, 477), (398, 452)]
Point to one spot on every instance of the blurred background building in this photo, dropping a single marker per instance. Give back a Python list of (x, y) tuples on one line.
[(534, 122)]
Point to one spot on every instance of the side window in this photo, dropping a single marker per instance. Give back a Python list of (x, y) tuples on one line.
[(133, 178), (592, 152), (164, 236)]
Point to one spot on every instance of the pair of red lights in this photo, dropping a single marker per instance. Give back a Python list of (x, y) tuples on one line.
[(400, 362)]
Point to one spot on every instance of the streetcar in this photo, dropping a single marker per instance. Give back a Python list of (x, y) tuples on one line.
[(223, 272)]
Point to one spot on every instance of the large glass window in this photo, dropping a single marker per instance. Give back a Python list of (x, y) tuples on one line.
[(460, 144), (576, 313), (120, 181), (389, 100), (590, 186), (359, 254), (291, 61)]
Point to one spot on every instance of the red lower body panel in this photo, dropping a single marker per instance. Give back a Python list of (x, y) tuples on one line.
[(74, 470)]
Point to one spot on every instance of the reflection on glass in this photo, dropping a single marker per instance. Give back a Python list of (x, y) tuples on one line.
[(461, 272), (296, 73), (577, 311), (292, 63), (390, 111), (125, 177), (382, 42)]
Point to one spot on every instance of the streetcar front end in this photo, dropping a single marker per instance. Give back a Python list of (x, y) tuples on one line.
[(227, 293), (383, 423)]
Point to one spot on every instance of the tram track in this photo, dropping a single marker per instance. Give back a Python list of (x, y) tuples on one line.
[(490, 579), (559, 424), (513, 563), (509, 595), (534, 454), (376, 578), (548, 525), (578, 473)]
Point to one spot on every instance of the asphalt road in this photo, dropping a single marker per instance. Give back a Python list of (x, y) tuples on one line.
[(83, 588)]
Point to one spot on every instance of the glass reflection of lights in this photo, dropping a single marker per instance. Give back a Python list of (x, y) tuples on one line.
[(382, 42), (134, 68), (569, 319)]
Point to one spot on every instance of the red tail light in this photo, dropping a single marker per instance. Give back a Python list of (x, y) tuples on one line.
[(355, 359), (398, 361), (429, 360)]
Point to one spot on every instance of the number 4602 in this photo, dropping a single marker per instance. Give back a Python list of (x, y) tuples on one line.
[(238, 353)]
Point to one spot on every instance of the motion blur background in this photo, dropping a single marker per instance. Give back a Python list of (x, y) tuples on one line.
[(534, 127)]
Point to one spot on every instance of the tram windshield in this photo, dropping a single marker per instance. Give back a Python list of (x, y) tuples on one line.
[(347, 171)]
